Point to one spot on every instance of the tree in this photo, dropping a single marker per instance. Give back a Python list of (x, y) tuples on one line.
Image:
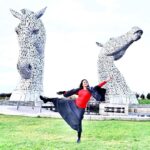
[(137, 95), (148, 96), (142, 96)]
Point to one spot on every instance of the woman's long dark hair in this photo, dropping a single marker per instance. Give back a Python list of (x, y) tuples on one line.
[(81, 83)]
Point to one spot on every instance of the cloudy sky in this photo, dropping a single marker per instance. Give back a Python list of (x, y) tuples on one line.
[(72, 28)]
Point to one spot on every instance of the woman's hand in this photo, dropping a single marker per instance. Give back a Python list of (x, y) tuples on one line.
[(61, 92), (108, 79)]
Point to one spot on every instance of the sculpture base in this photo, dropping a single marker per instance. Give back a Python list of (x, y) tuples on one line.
[(25, 96)]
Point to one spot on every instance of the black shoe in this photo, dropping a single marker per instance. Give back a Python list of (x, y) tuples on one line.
[(78, 141), (45, 100)]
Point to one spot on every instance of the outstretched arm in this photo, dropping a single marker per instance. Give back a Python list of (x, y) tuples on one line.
[(104, 82), (61, 92), (68, 93)]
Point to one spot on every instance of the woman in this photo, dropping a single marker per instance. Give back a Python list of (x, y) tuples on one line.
[(72, 111)]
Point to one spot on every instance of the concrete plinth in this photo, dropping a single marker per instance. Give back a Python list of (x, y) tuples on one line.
[(113, 109)]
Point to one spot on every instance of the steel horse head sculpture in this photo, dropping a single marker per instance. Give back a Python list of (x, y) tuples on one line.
[(31, 36), (117, 90)]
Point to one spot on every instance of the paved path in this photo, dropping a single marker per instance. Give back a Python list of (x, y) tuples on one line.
[(27, 111), (37, 112)]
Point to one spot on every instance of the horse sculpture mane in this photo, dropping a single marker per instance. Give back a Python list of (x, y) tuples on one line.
[(31, 36), (117, 90)]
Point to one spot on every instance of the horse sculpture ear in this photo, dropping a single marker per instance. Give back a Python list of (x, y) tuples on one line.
[(40, 13), (99, 44), (16, 14)]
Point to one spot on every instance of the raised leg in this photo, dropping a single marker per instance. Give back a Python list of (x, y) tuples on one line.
[(46, 99)]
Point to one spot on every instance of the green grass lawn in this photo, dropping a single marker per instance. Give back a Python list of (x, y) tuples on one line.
[(144, 101), (26, 133)]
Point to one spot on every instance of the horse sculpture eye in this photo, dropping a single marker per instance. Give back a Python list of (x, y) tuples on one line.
[(36, 31), (16, 31)]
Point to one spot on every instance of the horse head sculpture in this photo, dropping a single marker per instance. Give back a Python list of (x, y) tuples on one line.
[(113, 50), (31, 36)]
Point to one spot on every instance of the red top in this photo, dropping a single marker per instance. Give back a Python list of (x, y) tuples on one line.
[(84, 96)]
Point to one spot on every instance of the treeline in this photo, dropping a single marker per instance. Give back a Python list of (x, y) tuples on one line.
[(142, 96), (4, 95)]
